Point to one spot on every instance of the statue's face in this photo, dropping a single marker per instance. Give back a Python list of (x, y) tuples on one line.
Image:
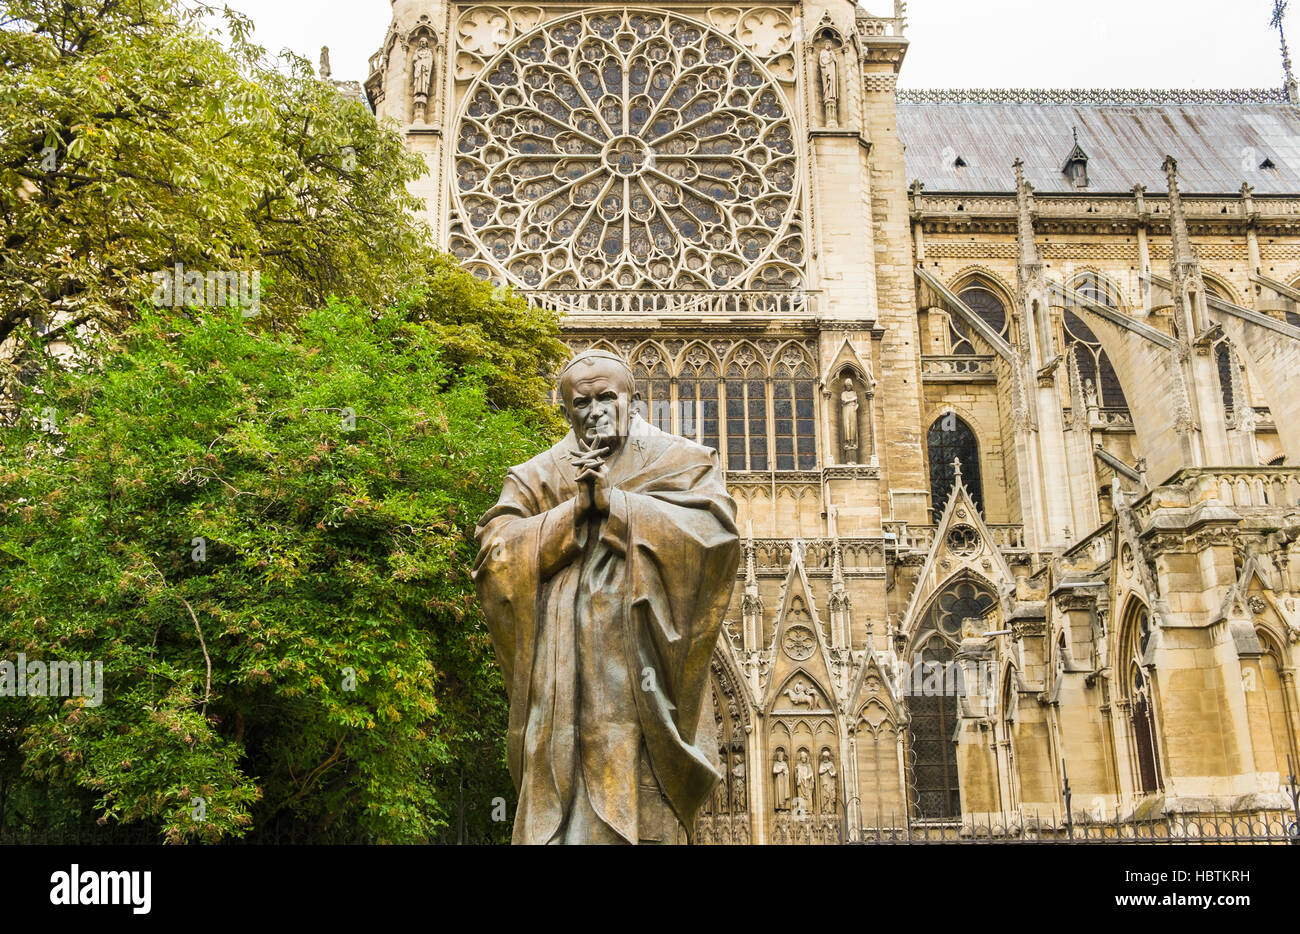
[(848, 384), (803, 755), (780, 755), (597, 402)]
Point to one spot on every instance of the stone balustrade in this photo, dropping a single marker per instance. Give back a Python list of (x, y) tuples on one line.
[(1249, 489), (676, 302), (956, 368)]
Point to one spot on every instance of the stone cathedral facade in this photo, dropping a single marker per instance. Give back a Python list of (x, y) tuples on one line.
[(1006, 385)]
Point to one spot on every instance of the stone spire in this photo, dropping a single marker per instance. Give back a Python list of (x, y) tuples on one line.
[(1185, 272), (1031, 262), (1288, 78), (751, 604), (1183, 253)]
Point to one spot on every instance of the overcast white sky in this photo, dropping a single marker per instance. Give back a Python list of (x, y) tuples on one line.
[(955, 43)]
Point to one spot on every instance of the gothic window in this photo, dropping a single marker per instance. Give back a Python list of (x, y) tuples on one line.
[(760, 415), (933, 688), (951, 439), (986, 304), (1093, 363), (627, 150), (655, 386), (1225, 359), (1267, 696), (1137, 689), (792, 413), (697, 398), (746, 405), (1096, 289), (1009, 734)]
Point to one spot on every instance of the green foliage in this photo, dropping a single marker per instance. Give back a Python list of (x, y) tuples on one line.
[(134, 139), (335, 475)]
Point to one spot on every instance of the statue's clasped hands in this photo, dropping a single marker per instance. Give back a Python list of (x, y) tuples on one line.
[(593, 481)]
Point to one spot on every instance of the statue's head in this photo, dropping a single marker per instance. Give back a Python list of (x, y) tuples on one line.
[(424, 43), (803, 755), (826, 754), (780, 754), (848, 384), (597, 391)]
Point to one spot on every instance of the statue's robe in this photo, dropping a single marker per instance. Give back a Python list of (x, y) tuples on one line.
[(604, 631)]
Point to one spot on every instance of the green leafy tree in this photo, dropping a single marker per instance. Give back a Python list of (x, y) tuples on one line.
[(134, 139), (266, 537)]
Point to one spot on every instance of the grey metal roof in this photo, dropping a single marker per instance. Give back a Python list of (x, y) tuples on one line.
[(1218, 145)]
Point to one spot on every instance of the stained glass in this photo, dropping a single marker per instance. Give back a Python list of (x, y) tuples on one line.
[(951, 439), (664, 159)]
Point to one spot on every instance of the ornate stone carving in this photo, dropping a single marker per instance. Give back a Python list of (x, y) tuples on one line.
[(828, 70), (738, 798), (802, 694), (803, 783), (422, 78), (780, 781), (766, 32), (1085, 96), (963, 540), (799, 643), (849, 406), (625, 150), (483, 30), (827, 783)]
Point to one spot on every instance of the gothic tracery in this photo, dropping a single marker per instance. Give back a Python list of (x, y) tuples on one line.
[(628, 150)]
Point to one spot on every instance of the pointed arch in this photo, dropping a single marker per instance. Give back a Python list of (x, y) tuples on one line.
[(1138, 696), (987, 298), (1271, 702), (651, 369), (1229, 373), (699, 374), (745, 361), (950, 438), (932, 689), (1098, 287), (794, 433), (1093, 362), (1219, 287), (1008, 710)]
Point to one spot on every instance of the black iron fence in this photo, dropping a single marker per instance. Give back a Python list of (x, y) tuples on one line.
[(1213, 827)]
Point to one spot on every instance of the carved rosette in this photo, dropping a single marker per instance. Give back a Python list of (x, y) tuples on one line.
[(624, 149)]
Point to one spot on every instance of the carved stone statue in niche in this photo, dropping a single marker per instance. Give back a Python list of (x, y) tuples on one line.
[(803, 782), (422, 78), (828, 67), (720, 792), (849, 422), (826, 780), (738, 787), (781, 782)]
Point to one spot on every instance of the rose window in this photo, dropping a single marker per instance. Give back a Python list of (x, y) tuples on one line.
[(627, 150)]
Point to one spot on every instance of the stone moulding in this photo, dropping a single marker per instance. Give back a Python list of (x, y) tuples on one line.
[(1073, 96)]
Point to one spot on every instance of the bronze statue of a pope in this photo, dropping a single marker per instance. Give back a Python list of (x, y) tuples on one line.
[(604, 572)]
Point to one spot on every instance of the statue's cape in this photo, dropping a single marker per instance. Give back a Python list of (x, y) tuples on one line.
[(671, 537)]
